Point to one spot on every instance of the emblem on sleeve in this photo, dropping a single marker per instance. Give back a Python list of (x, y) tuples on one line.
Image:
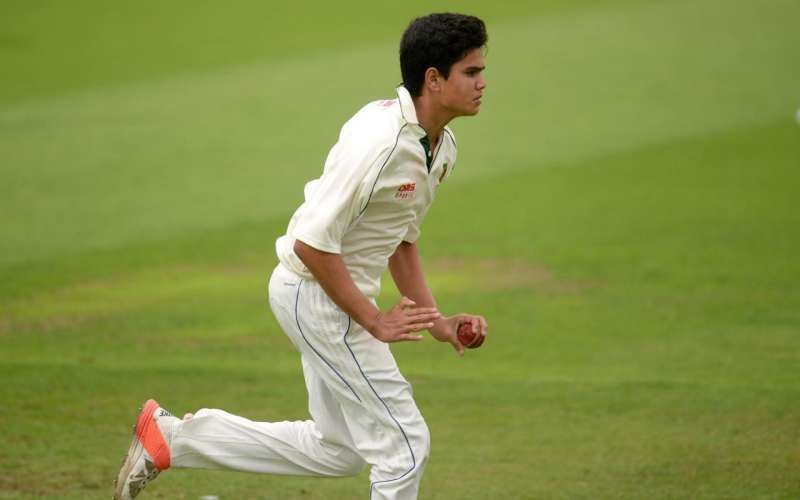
[(406, 191)]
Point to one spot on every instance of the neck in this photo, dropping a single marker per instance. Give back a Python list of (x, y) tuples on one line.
[(431, 116)]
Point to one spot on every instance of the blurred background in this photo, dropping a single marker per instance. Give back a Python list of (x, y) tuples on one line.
[(623, 211)]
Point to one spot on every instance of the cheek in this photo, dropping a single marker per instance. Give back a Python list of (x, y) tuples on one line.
[(469, 85), (461, 89)]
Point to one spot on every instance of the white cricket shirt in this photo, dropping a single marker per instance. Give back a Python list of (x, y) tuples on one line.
[(377, 184)]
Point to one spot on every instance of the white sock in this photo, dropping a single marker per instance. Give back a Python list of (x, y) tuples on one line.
[(167, 423)]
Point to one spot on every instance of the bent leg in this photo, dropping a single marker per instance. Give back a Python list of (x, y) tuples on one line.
[(381, 417), (362, 407), (215, 439), (392, 435), (322, 446)]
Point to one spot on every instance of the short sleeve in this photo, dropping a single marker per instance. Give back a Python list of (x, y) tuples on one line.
[(413, 231), (334, 201)]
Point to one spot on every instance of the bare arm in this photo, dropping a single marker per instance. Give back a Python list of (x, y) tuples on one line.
[(399, 323), (406, 268)]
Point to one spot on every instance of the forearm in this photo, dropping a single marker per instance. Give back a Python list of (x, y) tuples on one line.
[(332, 274), (406, 268)]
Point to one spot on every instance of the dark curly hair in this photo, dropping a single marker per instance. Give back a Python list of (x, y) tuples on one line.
[(437, 41)]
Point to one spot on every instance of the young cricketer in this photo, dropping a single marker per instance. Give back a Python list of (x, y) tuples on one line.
[(363, 214)]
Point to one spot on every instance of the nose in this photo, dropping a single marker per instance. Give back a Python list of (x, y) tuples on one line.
[(480, 83)]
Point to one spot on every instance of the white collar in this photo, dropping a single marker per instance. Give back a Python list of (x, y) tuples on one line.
[(407, 108)]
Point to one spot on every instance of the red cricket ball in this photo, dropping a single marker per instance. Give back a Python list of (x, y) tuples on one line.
[(468, 337)]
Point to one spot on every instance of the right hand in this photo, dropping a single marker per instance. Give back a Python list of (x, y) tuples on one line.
[(403, 321)]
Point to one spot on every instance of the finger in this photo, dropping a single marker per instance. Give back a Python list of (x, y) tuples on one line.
[(418, 327), (405, 303), (418, 318), (477, 340), (416, 311), (484, 325), (476, 325), (458, 347), (407, 337)]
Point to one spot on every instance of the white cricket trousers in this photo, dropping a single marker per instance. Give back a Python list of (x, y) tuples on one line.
[(362, 409)]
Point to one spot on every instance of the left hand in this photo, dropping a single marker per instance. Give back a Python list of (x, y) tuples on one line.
[(445, 329)]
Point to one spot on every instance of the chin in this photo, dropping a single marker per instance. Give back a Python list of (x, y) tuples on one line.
[(467, 111)]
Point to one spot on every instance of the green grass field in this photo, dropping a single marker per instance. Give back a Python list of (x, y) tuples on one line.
[(624, 212)]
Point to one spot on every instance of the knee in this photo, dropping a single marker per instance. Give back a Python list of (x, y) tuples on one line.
[(355, 467), (419, 440), (422, 441), (350, 463), (341, 459), (401, 465)]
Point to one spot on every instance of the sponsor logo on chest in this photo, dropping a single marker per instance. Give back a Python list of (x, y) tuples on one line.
[(406, 191)]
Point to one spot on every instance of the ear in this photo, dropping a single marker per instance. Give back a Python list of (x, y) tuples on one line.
[(433, 79)]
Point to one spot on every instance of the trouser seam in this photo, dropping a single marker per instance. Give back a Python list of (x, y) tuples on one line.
[(297, 320), (400, 427)]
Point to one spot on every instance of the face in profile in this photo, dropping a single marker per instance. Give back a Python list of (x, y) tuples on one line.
[(462, 90)]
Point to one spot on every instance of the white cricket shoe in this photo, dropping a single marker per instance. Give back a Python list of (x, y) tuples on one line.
[(148, 454)]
